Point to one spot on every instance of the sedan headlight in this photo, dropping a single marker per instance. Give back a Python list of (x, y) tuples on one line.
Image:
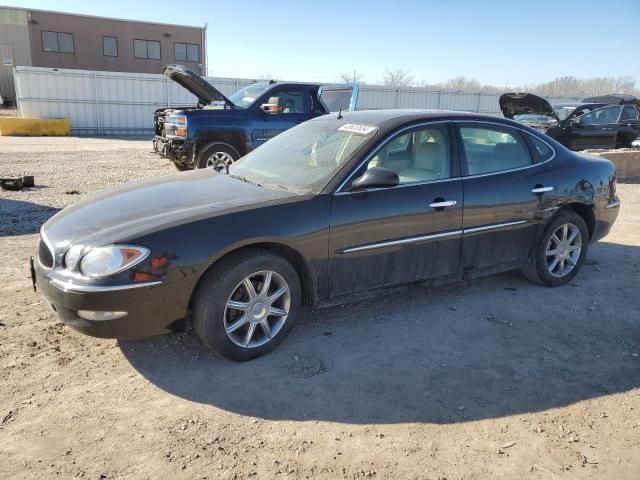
[(105, 261), (72, 257)]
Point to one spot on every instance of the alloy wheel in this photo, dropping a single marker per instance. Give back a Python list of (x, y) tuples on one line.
[(257, 309), (563, 250), (219, 160)]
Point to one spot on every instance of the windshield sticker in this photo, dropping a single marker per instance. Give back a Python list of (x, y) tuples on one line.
[(355, 128)]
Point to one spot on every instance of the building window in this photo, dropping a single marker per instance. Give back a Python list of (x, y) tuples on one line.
[(110, 46), (57, 42), (146, 49), (187, 52)]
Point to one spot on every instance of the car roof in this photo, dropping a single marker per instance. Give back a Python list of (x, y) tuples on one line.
[(388, 119)]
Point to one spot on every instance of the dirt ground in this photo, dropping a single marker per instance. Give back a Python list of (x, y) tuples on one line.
[(495, 378)]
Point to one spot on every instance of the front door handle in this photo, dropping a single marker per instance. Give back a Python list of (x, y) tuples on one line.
[(541, 189), (442, 204)]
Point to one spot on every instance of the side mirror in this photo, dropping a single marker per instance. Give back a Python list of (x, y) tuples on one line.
[(376, 177), (270, 108), (576, 121)]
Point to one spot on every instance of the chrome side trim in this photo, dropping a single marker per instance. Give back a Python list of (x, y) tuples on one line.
[(402, 241), (339, 191), (493, 226), (541, 189), (69, 286), (614, 204), (422, 238)]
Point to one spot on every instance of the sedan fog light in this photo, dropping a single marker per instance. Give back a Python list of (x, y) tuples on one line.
[(97, 315)]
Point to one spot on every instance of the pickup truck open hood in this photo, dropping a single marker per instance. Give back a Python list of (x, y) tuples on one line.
[(197, 85), (513, 104)]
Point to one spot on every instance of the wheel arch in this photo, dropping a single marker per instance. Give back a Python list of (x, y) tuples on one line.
[(295, 258), (585, 211), (235, 139)]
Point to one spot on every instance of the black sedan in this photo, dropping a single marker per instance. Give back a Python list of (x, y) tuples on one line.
[(335, 207), (611, 121)]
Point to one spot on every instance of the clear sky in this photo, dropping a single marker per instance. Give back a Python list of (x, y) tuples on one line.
[(496, 42)]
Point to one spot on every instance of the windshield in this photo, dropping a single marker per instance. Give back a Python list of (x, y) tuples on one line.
[(564, 112), (304, 158), (245, 97)]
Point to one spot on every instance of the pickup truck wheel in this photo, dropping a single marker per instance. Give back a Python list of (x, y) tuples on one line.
[(217, 155)]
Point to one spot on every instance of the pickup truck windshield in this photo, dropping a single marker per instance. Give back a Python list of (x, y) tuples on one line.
[(304, 158), (245, 97)]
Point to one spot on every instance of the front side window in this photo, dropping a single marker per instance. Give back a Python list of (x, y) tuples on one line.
[(58, 42), (110, 46), (245, 97), (288, 100), (421, 155), (146, 49), (489, 149), (602, 116), (303, 159), (186, 52)]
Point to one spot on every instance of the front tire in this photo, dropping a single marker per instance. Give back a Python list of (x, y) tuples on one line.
[(561, 251), (247, 304), (216, 155)]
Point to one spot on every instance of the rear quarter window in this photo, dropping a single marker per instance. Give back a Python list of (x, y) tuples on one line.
[(543, 151)]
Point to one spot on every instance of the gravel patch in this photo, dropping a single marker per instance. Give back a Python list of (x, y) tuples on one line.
[(65, 171)]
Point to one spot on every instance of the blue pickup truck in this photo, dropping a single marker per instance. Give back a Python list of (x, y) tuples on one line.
[(219, 130)]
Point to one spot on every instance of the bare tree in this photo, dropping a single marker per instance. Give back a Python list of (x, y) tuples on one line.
[(352, 77), (398, 78), (264, 77)]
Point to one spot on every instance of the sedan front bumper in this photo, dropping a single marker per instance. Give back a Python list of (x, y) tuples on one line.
[(151, 308)]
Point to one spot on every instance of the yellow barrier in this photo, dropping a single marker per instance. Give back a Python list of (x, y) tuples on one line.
[(34, 127)]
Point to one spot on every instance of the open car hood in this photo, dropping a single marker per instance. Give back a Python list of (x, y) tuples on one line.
[(197, 85), (513, 104)]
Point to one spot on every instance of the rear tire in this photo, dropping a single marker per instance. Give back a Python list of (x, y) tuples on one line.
[(241, 322), (560, 252), (216, 155)]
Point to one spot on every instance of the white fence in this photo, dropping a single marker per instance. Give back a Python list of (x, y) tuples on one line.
[(113, 103)]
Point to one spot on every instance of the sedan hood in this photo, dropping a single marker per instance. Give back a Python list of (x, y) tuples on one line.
[(513, 104), (141, 207), (197, 85)]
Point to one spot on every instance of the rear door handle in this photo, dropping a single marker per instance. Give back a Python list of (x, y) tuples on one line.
[(541, 189), (444, 203)]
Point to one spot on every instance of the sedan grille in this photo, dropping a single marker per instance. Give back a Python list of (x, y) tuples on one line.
[(45, 256)]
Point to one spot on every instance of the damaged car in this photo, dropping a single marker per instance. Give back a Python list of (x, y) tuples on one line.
[(611, 121), (218, 130), (338, 207)]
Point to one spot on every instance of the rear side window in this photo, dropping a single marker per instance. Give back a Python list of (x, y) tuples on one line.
[(489, 149), (543, 150)]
